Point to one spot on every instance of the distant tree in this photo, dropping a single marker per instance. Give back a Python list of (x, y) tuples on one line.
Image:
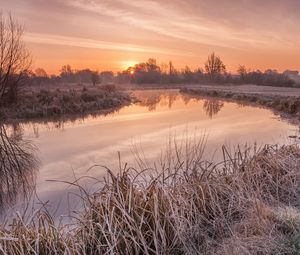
[(188, 75), (148, 72), (268, 78), (95, 78), (164, 68), (40, 72), (291, 73), (82, 76), (123, 77), (39, 77), (66, 73), (151, 65), (55, 78), (271, 71), (107, 76), (173, 74), (242, 71), (199, 75), (214, 66), (15, 59), (171, 68), (66, 70)]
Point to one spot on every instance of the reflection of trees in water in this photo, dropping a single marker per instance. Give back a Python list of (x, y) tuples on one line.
[(152, 100), (168, 99), (212, 106), (18, 166), (171, 100), (186, 98)]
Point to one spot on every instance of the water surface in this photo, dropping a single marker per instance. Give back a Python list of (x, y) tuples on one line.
[(67, 150)]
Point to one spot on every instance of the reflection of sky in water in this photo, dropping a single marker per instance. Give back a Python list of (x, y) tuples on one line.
[(70, 150)]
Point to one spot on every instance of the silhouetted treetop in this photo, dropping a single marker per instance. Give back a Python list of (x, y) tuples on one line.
[(214, 66)]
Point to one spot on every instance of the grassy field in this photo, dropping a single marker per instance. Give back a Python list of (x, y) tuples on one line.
[(247, 204)]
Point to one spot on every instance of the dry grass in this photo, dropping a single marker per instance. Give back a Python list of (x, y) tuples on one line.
[(247, 204)]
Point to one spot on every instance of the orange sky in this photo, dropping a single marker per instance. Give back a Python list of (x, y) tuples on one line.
[(114, 34)]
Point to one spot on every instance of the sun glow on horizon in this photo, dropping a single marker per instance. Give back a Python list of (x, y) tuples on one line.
[(128, 63)]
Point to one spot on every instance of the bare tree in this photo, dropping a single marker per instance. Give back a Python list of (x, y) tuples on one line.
[(214, 66), (40, 72), (15, 59), (242, 71)]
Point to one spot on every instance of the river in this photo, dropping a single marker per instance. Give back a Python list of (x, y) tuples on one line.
[(68, 149)]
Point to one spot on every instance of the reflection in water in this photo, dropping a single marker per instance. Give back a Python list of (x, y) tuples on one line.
[(18, 166), (156, 98), (212, 106)]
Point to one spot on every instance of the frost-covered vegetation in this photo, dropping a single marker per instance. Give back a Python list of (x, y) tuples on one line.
[(48, 103)]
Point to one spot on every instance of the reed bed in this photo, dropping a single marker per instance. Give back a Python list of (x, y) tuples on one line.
[(183, 204)]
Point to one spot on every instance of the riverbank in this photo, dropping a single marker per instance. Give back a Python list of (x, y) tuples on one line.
[(39, 103), (283, 101), (248, 204)]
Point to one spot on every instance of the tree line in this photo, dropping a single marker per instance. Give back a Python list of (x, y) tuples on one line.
[(214, 71), (150, 72)]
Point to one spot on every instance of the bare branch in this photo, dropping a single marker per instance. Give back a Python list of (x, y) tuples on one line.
[(15, 59)]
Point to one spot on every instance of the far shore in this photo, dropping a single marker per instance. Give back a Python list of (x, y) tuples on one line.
[(245, 88), (59, 102), (283, 101)]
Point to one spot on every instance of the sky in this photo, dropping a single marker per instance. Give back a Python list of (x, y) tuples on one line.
[(115, 34)]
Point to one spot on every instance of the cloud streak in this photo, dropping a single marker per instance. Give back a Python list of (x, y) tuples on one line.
[(94, 44), (177, 24)]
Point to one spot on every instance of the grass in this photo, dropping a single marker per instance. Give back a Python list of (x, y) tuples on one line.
[(286, 104), (49, 103), (247, 204)]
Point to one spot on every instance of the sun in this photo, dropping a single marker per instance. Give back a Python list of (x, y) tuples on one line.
[(128, 63), (131, 72)]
